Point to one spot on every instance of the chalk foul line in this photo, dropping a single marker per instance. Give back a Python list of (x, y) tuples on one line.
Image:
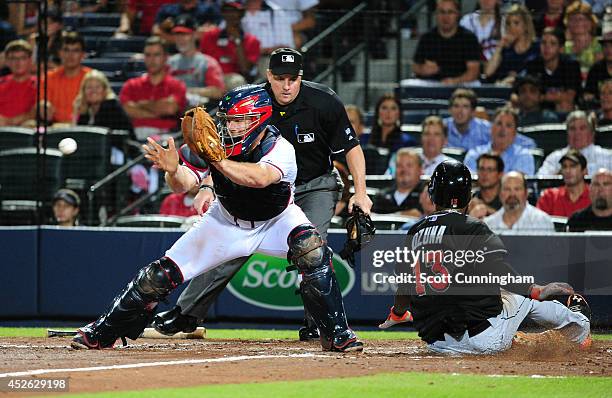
[(152, 364)]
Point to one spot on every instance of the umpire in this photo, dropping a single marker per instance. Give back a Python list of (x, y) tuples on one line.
[(312, 117)]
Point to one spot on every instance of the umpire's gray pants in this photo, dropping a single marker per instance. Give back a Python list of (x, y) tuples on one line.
[(317, 198)]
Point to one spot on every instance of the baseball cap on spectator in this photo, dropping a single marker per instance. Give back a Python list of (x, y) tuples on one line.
[(233, 4), (184, 24), (68, 196), (528, 79), (575, 156), (286, 61)]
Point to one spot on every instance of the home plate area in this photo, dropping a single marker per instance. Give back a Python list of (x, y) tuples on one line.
[(163, 363)]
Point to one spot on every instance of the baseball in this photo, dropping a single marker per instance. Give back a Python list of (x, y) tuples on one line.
[(67, 146)]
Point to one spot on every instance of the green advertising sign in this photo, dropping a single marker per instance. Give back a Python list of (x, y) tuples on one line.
[(263, 282)]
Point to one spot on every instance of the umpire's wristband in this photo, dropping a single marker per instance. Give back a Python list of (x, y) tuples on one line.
[(212, 189)]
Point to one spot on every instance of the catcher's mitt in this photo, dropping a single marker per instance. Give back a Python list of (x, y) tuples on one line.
[(360, 231), (200, 134)]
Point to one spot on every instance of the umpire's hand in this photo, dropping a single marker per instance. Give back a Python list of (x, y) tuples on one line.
[(362, 200)]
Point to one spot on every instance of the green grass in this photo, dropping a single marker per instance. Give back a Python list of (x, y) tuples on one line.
[(253, 334), (394, 385)]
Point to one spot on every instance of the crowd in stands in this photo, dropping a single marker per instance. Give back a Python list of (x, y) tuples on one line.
[(556, 55)]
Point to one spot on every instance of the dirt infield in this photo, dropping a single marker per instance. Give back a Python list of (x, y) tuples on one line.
[(234, 361)]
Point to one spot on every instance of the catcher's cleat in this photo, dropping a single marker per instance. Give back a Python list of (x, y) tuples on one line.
[(351, 346), (394, 319), (308, 334), (173, 321), (87, 338), (577, 303), (345, 341)]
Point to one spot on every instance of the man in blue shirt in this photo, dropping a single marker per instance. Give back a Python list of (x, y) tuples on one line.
[(466, 131), (503, 137)]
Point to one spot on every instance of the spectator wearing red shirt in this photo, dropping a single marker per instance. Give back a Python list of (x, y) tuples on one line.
[(179, 204), (201, 73), (154, 100), (145, 11), (17, 90), (236, 51), (574, 195)]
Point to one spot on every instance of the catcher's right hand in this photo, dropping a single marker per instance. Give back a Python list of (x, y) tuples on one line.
[(200, 134), (550, 291)]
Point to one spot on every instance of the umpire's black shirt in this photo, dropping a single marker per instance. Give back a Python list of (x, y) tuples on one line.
[(317, 126)]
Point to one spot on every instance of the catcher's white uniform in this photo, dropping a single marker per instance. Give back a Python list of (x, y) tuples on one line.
[(219, 236)]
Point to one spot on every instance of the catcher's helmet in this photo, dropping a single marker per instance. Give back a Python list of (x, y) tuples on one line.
[(450, 186), (249, 107)]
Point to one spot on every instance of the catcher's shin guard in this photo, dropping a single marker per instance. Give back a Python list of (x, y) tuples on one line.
[(320, 290), (133, 308)]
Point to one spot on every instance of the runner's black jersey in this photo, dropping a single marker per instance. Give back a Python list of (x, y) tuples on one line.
[(453, 248)]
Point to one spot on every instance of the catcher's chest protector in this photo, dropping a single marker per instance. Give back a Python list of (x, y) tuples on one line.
[(253, 204)]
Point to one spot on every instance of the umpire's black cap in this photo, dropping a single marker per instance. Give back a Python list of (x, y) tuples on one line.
[(450, 186), (286, 61)]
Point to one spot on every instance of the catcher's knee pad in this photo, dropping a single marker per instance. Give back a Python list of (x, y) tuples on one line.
[(306, 248), (132, 309), (158, 279)]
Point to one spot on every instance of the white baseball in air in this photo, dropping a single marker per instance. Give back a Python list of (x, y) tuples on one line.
[(67, 146)]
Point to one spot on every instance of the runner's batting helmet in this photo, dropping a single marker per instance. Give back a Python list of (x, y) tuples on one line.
[(450, 186)]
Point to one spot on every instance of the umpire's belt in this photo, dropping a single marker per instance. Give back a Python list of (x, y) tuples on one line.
[(240, 222)]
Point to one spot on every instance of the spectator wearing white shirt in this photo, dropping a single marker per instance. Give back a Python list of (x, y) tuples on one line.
[(485, 23), (516, 214), (301, 14), (434, 137), (269, 23), (580, 136)]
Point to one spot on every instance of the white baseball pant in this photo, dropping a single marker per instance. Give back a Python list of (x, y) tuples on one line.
[(218, 237), (498, 337)]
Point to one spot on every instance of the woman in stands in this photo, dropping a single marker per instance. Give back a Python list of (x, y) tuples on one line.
[(485, 23), (386, 131), (581, 31), (516, 48), (97, 105)]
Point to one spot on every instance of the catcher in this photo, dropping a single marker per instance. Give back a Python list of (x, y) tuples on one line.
[(251, 170)]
